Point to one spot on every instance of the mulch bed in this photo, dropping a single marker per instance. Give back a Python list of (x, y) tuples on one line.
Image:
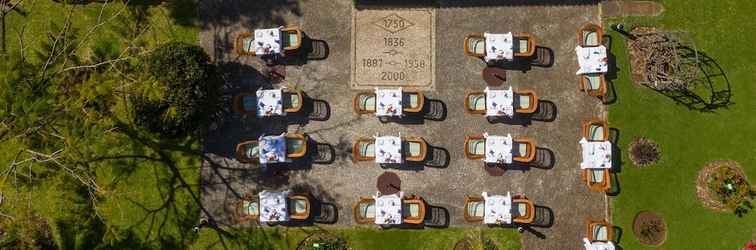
[(637, 65), (653, 237), (703, 192), (643, 152)]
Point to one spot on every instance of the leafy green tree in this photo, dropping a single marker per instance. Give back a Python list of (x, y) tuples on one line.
[(191, 91)]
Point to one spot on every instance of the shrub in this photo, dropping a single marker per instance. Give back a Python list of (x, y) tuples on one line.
[(644, 152), (729, 187)]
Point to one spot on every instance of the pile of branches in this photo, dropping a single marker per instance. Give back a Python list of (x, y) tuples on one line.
[(661, 61)]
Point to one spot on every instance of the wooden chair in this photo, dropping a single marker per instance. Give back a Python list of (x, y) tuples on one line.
[(291, 37), (364, 211), (293, 100), (524, 44), (590, 35), (412, 101), (364, 103), (413, 210), (245, 45), (475, 103), (596, 179), (599, 230), (248, 208), (475, 45), (299, 207), (248, 151), (474, 208), (415, 148), (245, 103), (526, 100), (475, 147), (523, 210), (523, 149), (364, 149), (296, 145), (594, 84), (595, 130)]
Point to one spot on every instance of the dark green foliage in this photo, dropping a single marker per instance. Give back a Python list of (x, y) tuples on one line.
[(729, 186), (191, 91)]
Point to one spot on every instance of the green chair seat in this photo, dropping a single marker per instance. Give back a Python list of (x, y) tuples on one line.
[(298, 206), (367, 102), (600, 232), (477, 46), (294, 145), (367, 149), (290, 38), (596, 133), (524, 101), (248, 44), (414, 148), (478, 102), (249, 103), (410, 210), (475, 208), (522, 45), (250, 208), (414, 100), (252, 150), (597, 176), (521, 149), (478, 147), (590, 38), (367, 210), (594, 81), (522, 209), (292, 100)]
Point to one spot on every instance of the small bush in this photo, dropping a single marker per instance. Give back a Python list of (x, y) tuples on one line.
[(644, 152), (729, 186)]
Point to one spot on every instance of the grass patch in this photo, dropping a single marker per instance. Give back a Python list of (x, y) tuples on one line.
[(361, 238), (689, 138)]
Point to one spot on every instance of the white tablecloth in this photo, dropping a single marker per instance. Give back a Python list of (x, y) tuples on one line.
[(592, 59), (597, 245), (273, 206), (388, 149), (388, 102), (499, 102), (497, 209), (272, 149), (498, 148), (267, 41), (388, 209), (596, 154), (498, 46), (269, 102)]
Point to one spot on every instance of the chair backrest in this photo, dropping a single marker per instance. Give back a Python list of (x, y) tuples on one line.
[(475, 45), (413, 210), (526, 100), (248, 151), (245, 44), (523, 149), (599, 230), (250, 208), (475, 147), (475, 103), (590, 38), (596, 132), (474, 209), (292, 101), (299, 207), (412, 101)]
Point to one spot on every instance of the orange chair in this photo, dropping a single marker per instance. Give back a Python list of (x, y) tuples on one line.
[(523, 209), (594, 84), (248, 208), (293, 100), (248, 151), (415, 148), (475, 45), (524, 44), (475, 103), (523, 149), (364, 103), (526, 100), (474, 208), (245, 103), (595, 130), (599, 230), (596, 179), (364, 211), (413, 210), (413, 101), (299, 207), (296, 145), (475, 147), (590, 35), (291, 39), (364, 149)]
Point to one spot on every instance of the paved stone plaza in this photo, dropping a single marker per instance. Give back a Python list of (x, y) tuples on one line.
[(435, 37)]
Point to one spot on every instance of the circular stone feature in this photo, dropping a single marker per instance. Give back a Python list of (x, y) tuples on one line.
[(649, 228)]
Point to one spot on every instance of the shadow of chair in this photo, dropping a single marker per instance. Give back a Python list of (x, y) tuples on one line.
[(546, 112), (322, 153), (617, 234), (310, 50), (434, 110), (327, 213), (543, 57), (436, 217), (545, 159), (437, 157), (544, 217)]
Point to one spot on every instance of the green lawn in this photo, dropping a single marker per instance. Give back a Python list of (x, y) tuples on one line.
[(288, 238), (723, 31)]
